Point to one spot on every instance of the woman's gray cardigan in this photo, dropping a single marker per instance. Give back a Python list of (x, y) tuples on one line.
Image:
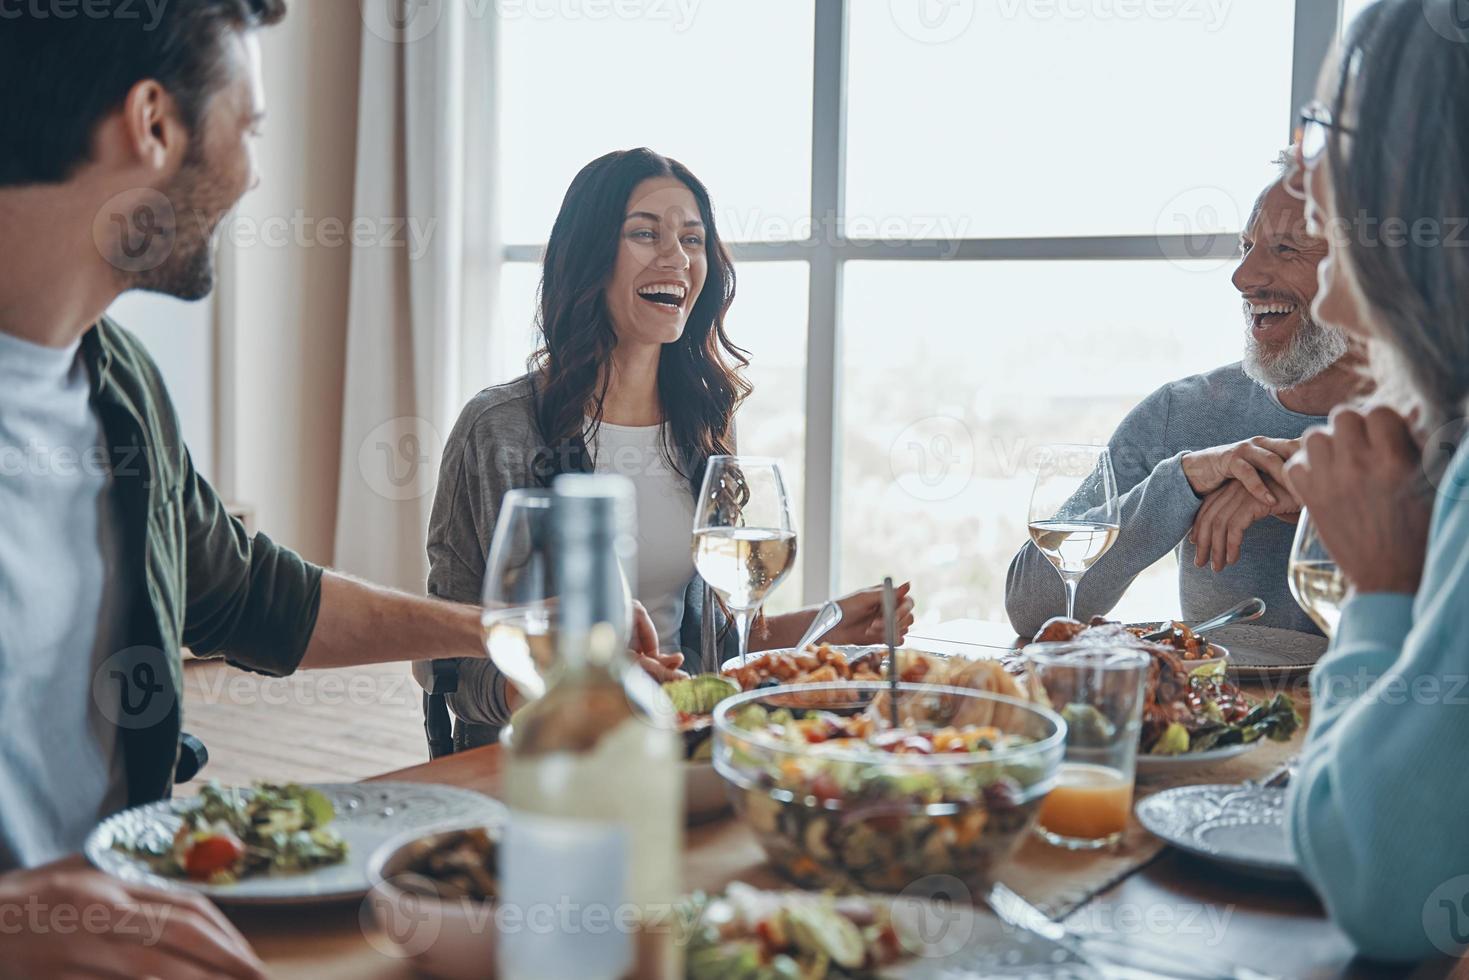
[(493, 449)]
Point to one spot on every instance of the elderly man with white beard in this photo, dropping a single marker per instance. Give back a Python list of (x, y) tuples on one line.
[(1200, 462)]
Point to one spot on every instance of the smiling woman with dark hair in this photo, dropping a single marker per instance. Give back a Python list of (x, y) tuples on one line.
[(1377, 809), (635, 375)]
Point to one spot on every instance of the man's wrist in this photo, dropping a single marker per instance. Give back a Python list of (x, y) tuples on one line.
[(1189, 464)]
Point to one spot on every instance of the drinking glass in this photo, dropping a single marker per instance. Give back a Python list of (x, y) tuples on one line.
[(1074, 513), (744, 537), (1315, 580), (1099, 691), (519, 617)]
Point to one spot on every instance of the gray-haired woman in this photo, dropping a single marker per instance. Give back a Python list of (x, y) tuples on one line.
[(1377, 812)]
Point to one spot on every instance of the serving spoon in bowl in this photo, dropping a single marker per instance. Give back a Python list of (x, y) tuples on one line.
[(827, 618), (1244, 612)]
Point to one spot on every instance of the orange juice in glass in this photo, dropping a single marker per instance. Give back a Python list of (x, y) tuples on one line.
[(1089, 802), (1099, 692)]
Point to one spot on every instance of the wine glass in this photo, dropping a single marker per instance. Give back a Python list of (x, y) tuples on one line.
[(1315, 580), (744, 538), (1074, 513), (519, 617)]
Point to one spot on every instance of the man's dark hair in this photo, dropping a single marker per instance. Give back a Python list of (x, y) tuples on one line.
[(65, 66)]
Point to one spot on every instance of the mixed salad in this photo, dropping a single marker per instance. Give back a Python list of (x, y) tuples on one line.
[(748, 934), (850, 801), (1199, 710), (695, 698), (230, 834)]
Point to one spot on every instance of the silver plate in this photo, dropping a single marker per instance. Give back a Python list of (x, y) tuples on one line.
[(949, 938), (1265, 652), (367, 815), (1158, 765), (1241, 827)]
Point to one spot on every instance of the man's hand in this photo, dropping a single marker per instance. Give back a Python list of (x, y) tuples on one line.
[(80, 923), (1250, 462), (1360, 478), (1219, 529), (862, 616)]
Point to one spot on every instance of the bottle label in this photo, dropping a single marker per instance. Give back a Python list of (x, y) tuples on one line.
[(564, 910)]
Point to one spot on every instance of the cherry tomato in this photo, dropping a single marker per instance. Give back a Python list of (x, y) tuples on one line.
[(208, 855)]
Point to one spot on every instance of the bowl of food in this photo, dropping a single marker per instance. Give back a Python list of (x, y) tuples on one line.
[(433, 897), (695, 698), (1184, 643), (839, 797)]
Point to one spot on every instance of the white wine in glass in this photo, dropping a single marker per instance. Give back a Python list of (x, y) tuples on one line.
[(1074, 511), (519, 597), (744, 538), (1315, 580)]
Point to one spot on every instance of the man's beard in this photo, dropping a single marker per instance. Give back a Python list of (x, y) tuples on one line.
[(188, 272), (1312, 349)]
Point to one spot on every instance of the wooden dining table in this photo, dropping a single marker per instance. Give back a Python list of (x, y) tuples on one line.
[(1279, 928)]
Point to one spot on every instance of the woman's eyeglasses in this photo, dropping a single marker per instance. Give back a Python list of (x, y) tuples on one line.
[(1313, 132), (1316, 126)]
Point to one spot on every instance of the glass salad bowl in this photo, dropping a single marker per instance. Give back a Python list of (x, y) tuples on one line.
[(839, 798)]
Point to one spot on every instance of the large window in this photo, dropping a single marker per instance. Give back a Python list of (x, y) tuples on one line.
[(961, 229)]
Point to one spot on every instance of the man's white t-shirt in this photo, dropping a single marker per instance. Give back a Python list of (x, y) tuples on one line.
[(62, 607), (665, 520)]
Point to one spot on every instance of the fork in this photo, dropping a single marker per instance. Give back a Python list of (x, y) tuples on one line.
[(1132, 955)]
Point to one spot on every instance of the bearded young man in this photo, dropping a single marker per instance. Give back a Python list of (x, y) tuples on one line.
[(1200, 462), (127, 140)]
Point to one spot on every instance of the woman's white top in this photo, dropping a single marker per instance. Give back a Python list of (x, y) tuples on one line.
[(665, 520)]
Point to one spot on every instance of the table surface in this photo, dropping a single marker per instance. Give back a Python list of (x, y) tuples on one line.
[(1174, 902)]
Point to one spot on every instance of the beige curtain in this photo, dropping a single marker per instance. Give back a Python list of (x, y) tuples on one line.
[(423, 109)]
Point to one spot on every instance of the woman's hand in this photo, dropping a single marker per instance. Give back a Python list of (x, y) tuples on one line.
[(662, 667), (1219, 529), (87, 924), (862, 616), (644, 633), (1359, 477)]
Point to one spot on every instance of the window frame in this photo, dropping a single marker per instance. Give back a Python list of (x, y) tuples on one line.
[(828, 250)]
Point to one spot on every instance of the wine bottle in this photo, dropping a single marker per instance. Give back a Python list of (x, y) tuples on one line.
[(593, 781)]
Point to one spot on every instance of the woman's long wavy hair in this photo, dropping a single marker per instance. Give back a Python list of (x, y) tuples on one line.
[(1402, 89), (700, 376)]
